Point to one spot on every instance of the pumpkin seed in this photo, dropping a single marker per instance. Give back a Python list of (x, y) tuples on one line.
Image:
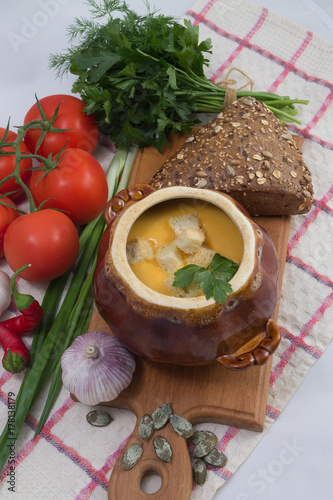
[(247, 101), (201, 183), (131, 456), (200, 173), (182, 426), (216, 458), (201, 435), (162, 448), (230, 171), (99, 418), (146, 427), (200, 472), (161, 416), (306, 193), (205, 446)]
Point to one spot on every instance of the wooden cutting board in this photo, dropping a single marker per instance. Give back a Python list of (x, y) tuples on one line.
[(200, 394)]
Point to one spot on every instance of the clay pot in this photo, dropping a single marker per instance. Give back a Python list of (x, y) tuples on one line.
[(188, 331)]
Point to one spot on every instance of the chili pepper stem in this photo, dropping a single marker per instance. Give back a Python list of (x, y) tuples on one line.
[(22, 301)]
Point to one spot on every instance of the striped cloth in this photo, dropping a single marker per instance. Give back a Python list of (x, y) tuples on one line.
[(72, 460)]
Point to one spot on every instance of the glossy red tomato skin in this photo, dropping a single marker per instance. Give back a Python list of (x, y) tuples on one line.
[(46, 239), (7, 215), (77, 186), (82, 133), (7, 166)]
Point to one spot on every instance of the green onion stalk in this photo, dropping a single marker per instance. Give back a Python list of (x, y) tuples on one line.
[(61, 325)]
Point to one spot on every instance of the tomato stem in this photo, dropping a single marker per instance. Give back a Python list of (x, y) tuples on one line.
[(45, 126)]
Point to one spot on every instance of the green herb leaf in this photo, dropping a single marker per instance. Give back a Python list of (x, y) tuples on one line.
[(185, 275), (213, 280), (151, 66)]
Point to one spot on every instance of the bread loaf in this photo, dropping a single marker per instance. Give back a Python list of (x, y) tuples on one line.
[(247, 153)]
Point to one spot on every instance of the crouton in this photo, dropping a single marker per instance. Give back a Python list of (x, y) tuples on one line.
[(192, 291), (181, 222), (139, 250), (202, 257), (169, 258), (189, 240)]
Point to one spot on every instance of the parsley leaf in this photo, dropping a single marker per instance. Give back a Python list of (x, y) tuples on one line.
[(213, 279), (149, 69), (185, 275)]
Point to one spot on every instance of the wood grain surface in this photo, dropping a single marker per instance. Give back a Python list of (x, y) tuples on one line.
[(209, 393)]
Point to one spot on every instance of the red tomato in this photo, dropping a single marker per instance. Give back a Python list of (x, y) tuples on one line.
[(82, 133), (7, 215), (77, 186), (48, 240), (7, 166)]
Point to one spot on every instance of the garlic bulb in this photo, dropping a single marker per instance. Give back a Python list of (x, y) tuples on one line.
[(96, 367), (5, 292)]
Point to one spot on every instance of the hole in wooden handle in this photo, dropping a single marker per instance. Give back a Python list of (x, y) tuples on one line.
[(151, 482)]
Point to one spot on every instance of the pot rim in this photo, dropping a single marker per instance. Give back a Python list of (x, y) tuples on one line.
[(128, 218)]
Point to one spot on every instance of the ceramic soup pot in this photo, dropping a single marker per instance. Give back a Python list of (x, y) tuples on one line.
[(238, 333)]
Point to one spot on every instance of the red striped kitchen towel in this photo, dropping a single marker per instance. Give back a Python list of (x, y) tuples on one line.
[(280, 57)]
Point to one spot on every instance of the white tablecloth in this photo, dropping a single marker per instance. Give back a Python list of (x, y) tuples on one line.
[(293, 460)]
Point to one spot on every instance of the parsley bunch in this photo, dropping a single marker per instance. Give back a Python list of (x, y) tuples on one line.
[(143, 76), (213, 279)]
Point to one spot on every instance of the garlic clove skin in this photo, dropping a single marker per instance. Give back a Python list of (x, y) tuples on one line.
[(5, 292), (96, 367)]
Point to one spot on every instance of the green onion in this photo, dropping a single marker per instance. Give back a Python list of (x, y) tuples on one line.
[(60, 328)]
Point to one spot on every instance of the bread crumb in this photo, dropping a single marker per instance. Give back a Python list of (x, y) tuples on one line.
[(169, 258), (181, 222), (202, 257), (139, 250), (193, 290), (189, 240)]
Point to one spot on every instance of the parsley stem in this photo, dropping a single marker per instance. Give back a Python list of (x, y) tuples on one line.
[(144, 76)]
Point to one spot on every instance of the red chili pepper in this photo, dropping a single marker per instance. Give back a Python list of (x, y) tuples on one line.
[(27, 321), (16, 356)]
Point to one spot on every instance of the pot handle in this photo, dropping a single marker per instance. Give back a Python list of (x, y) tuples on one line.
[(259, 355), (123, 198)]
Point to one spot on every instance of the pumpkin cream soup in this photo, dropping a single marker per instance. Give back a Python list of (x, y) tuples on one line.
[(178, 232)]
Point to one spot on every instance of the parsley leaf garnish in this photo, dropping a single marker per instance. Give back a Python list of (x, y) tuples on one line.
[(213, 279)]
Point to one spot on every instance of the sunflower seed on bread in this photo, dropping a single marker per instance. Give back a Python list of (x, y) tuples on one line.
[(248, 154)]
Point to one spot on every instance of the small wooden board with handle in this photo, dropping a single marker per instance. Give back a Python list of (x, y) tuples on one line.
[(209, 393)]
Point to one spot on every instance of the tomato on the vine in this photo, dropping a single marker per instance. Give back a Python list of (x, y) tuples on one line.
[(7, 215), (46, 239), (78, 186), (7, 166), (82, 130)]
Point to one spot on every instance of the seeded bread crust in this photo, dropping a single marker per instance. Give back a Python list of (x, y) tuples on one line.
[(247, 153)]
